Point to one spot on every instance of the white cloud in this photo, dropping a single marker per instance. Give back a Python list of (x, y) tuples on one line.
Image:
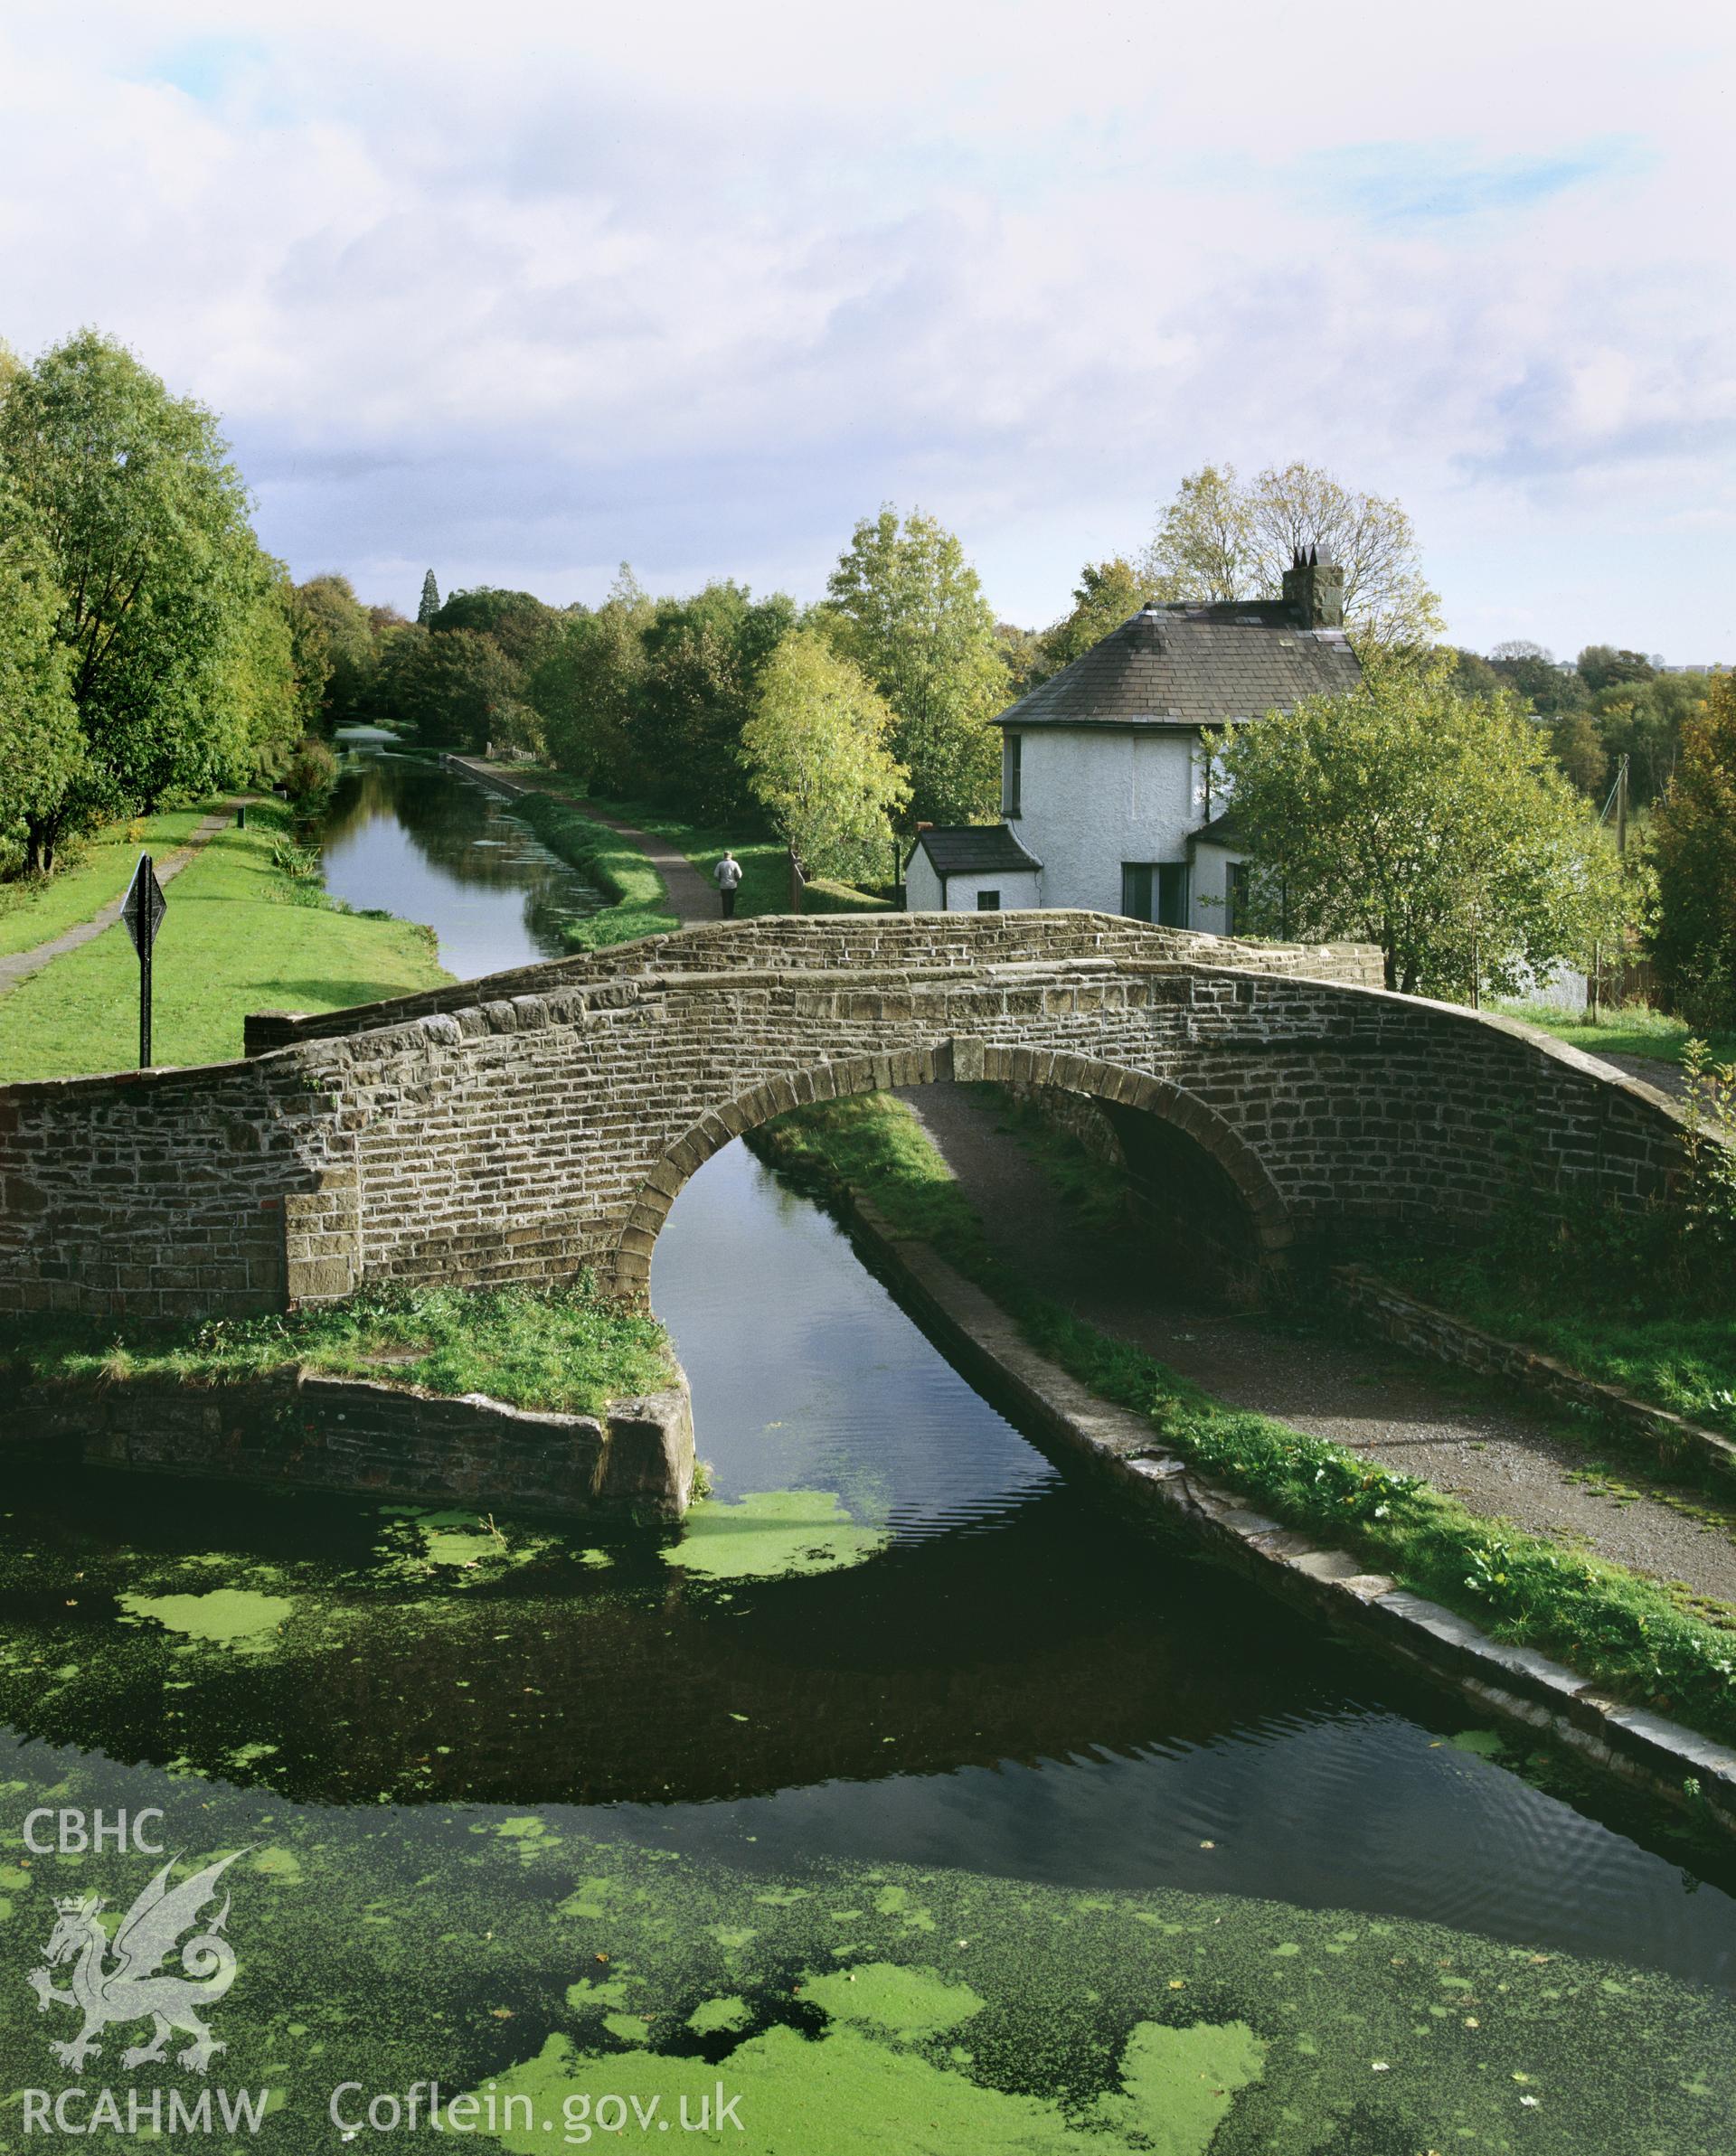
[(524, 290)]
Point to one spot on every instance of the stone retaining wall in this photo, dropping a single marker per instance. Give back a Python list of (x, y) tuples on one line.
[(1410, 1322), (300, 1429)]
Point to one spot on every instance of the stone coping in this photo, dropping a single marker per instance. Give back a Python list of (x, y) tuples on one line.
[(1408, 1322), (1120, 1445)]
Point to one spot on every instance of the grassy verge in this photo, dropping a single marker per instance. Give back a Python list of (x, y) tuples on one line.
[(1605, 1623), (1677, 1358), (614, 863), (570, 1349), (35, 910), (765, 863), (249, 929), (1634, 1031)]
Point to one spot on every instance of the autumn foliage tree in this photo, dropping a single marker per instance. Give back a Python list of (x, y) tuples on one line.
[(817, 760)]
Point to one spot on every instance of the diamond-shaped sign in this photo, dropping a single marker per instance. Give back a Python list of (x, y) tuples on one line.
[(143, 906)]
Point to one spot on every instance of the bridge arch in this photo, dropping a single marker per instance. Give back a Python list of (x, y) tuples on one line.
[(1266, 1216)]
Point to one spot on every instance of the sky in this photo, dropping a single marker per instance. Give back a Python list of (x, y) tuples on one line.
[(521, 291)]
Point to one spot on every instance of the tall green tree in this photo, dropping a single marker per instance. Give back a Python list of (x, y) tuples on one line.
[(145, 524), (429, 605), (42, 744), (1434, 825), (703, 659), (350, 638), (1536, 675), (1604, 666), (520, 623), (586, 685), (906, 609), (817, 761), (453, 687), (1221, 540), (1694, 850), (1106, 593)]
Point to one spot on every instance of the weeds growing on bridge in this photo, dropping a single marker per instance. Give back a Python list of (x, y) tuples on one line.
[(571, 1350), (1607, 1624)]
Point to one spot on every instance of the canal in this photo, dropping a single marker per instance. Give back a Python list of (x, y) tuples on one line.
[(906, 1790)]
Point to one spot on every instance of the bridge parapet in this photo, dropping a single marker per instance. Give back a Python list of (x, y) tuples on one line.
[(528, 1126)]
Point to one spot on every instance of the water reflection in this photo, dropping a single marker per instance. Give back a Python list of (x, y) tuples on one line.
[(406, 836)]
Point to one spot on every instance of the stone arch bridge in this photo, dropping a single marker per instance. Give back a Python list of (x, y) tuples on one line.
[(524, 1125)]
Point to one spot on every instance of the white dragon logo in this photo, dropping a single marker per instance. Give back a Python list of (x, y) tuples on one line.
[(132, 1988)]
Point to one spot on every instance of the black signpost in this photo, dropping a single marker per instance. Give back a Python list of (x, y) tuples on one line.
[(142, 910)]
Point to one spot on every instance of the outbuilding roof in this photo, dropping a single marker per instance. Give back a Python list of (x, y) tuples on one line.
[(972, 849), (1193, 667)]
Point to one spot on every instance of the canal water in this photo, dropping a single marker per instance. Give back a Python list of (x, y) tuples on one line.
[(906, 1791)]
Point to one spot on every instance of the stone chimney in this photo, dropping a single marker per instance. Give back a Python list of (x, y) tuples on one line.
[(1315, 589)]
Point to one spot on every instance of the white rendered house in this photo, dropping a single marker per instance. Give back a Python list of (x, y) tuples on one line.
[(1104, 794)]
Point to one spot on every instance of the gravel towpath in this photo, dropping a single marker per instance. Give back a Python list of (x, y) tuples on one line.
[(1498, 1457)]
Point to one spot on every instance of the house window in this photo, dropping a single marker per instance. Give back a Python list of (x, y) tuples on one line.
[(1235, 897), (988, 901), (1155, 891), (1012, 759)]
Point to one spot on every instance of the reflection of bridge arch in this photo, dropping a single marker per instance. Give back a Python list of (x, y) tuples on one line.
[(1266, 1216)]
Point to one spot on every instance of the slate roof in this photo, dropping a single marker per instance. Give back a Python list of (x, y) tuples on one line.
[(972, 849), (1192, 666), (1222, 831)]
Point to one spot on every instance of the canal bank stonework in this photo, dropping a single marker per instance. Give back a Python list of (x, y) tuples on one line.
[(529, 1123)]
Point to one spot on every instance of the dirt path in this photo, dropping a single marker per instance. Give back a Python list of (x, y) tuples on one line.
[(1503, 1460), (692, 897), (20, 965)]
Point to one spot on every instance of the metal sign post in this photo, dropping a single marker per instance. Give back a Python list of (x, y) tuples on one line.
[(142, 910)]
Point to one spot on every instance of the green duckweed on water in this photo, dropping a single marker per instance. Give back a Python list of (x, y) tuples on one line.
[(846, 2008), (772, 1533), (236, 1617)]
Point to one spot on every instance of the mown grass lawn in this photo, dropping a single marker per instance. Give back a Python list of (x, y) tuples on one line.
[(36, 911), (765, 863), (239, 936)]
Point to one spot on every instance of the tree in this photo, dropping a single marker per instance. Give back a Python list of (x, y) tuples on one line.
[(145, 524), (1220, 540), (1578, 750), (1536, 675), (1470, 674), (1106, 593), (1602, 666), (1693, 849), (1643, 721), (907, 611), (703, 659), (585, 687), (39, 722), (518, 621), (430, 600), (817, 758), (352, 654), (1433, 825), (449, 685)]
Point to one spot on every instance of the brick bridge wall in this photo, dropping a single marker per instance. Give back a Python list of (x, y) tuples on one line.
[(532, 1122)]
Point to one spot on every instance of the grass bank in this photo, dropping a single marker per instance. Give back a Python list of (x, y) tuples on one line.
[(570, 1350), (249, 928), (1607, 1624), (765, 863), (1633, 1031), (36, 909), (613, 863), (1683, 1358)]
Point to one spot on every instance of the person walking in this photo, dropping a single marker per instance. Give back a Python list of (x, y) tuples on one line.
[(726, 875)]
